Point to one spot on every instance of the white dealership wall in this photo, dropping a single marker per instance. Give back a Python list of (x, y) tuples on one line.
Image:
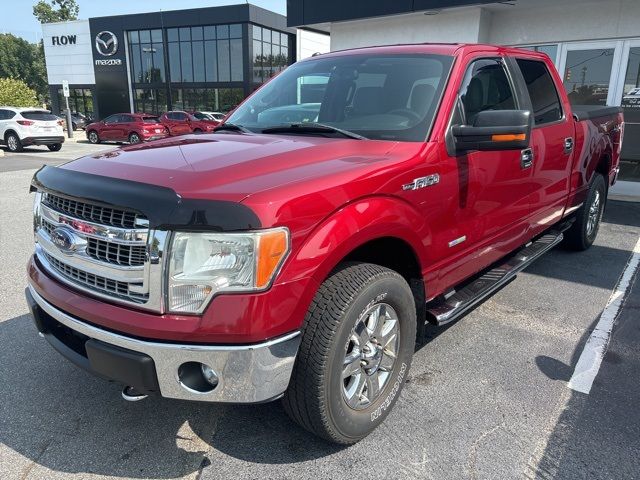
[(309, 42), (71, 62), (526, 22)]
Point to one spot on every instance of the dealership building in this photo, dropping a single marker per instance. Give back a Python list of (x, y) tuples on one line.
[(200, 59), (594, 44)]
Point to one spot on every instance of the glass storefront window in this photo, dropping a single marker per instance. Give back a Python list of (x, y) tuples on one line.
[(550, 50), (587, 76), (206, 99), (211, 53), (630, 164), (150, 100), (270, 53), (80, 101), (146, 52)]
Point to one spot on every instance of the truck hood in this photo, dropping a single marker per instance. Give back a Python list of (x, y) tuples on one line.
[(234, 166)]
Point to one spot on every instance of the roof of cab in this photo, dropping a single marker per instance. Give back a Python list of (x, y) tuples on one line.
[(450, 49)]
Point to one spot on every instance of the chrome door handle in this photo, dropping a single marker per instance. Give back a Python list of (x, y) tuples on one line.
[(526, 158), (568, 145)]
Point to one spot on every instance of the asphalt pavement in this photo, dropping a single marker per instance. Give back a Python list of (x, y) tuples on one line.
[(486, 398)]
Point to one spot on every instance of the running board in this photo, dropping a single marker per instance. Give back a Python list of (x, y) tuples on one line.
[(451, 308)]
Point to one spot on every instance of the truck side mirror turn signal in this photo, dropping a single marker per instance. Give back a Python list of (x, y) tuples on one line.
[(494, 130)]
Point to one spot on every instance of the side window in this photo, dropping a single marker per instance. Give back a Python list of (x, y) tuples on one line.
[(111, 119), (3, 115), (542, 91), (486, 87), (126, 119), (181, 116)]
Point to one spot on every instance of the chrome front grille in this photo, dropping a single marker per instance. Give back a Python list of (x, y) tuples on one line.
[(107, 252), (92, 212), (116, 253), (96, 282)]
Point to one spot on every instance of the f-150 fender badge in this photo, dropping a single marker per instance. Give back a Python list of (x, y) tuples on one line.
[(422, 182)]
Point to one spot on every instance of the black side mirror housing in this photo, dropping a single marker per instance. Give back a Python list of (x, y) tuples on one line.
[(494, 130)]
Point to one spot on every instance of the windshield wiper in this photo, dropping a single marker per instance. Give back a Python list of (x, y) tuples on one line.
[(312, 128), (232, 127)]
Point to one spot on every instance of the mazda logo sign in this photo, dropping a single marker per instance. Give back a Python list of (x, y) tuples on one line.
[(64, 239), (106, 43)]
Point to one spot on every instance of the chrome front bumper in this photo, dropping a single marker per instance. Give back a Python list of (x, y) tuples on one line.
[(247, 374)]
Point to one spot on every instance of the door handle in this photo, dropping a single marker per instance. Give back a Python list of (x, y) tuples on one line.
[(568, 145), (526, 158)]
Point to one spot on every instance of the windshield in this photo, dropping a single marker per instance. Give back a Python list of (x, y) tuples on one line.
[(382, 97)]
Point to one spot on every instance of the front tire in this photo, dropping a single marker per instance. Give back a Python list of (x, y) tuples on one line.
[(93, 137), (356, 349), (56, 147), (584, 231), (13, 143)]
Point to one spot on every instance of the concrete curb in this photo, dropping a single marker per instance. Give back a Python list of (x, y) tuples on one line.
[(1, 152)]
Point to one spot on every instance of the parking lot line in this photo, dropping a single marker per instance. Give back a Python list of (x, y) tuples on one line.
[(596, 346)]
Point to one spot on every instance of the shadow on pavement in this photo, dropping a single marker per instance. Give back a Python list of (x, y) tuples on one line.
[(598, 435), (66, 420)]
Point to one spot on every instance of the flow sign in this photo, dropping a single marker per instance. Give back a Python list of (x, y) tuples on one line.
[(65, 88)]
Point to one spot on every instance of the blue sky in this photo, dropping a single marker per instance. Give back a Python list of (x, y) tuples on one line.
[(19, 20)]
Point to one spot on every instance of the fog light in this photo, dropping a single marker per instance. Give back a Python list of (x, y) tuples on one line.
[(209, 375), (197, 377)]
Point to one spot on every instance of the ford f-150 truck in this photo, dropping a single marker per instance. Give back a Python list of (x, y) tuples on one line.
[(299, 250)]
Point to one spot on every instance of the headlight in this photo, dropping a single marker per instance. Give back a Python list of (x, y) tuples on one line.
[(204, 264)]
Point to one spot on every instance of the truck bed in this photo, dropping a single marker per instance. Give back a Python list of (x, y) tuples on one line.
[(587, 112)]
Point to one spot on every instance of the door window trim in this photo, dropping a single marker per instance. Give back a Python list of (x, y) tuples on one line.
[(513, 61)]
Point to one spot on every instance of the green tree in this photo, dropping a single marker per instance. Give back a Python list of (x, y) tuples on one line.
[(24, 61), (16, 93), (56, 11)]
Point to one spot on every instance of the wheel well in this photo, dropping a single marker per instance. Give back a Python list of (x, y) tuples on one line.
[(8, 132), (389, 252), (604, 166), (397, 255)]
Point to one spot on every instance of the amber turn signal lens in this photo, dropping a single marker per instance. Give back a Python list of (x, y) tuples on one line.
[(272, 248), (509, 137)]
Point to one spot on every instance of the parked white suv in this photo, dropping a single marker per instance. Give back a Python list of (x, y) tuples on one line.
[(20, 127)]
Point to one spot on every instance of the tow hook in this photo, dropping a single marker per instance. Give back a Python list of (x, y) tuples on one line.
[(130, 394)]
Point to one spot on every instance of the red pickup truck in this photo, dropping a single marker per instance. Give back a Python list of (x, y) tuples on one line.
[(298, 251)]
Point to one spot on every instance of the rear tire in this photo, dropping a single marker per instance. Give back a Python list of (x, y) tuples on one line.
[(93, 137), (56, 147), (197, 130), (584, 231), (346, 380), (13, 143), (134, 138)]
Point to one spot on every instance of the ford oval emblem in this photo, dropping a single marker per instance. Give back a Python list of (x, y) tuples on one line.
[(63, 239)]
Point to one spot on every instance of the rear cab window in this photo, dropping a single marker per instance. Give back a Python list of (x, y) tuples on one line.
[(545, 100), (150, 120)]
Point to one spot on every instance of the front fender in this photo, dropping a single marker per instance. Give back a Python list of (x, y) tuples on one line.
[(351, 226)]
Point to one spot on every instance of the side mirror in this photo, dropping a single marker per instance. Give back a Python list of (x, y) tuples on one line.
[(494, 130)]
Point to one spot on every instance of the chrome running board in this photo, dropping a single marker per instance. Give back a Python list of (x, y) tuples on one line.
[(454, 306)]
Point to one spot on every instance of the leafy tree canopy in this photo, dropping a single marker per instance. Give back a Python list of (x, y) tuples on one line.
[(56, 11), (24, 61), (16, 93)]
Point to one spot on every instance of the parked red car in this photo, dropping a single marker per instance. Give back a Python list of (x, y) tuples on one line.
[(181, 123), (301, 248), (126, 127)]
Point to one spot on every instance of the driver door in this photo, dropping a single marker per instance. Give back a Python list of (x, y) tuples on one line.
[(492, 189)]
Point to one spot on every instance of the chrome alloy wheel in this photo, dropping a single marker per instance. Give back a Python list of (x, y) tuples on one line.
[(12, 143), (370, 355), (594, 214)]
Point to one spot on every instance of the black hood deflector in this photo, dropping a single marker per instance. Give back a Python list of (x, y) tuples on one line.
[(162, 206)]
